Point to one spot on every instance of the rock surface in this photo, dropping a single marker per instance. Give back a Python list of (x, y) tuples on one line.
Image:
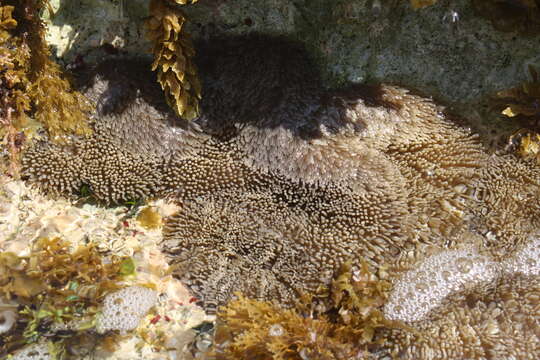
[(445, 50)]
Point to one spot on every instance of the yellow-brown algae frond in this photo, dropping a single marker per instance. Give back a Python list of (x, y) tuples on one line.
[(149, 218), (520, 103), (419, 4), (58, 288), (35, 83), (173, 53), (341, 321), (61, 110), (525, 144)]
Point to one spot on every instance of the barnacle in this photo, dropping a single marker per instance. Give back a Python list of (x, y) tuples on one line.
[(524, 260), (426, 286), (173, 55), (468, 298), (123, 309)]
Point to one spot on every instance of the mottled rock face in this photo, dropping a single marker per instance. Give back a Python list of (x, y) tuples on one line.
[(278, 187), (448, 50)]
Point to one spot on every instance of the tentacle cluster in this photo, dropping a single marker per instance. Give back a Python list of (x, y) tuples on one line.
[(280, 183)]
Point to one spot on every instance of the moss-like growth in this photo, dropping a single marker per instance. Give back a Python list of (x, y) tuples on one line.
[(339, 322), (173, 54), (59, 290)]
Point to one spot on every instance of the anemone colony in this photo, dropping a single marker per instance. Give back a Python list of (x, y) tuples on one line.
[(280, 183)]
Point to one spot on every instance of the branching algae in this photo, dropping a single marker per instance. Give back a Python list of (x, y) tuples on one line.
[(31, 84), (59, 291), (173, 53)]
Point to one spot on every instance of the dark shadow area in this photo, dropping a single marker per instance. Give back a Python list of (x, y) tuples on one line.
[(269, 82), (260, 80), (121, 82)]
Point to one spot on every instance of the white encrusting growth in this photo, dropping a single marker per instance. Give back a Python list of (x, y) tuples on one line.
[(122, 310), (424, 288)]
